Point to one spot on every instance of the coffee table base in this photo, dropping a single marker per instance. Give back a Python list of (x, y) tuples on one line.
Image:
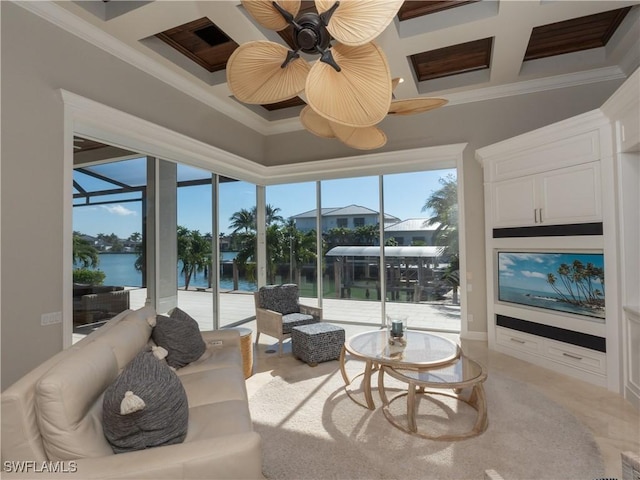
[(476, 399), (369, 369)]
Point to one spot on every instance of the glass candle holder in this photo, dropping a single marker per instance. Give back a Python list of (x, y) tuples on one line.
[(396, 326)]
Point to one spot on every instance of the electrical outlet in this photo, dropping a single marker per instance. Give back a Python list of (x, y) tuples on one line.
[(51, 318)]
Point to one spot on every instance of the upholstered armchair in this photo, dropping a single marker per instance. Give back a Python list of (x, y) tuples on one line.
[(278, 310)]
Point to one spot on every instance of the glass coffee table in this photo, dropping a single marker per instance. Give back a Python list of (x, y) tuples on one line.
[(422, 351)]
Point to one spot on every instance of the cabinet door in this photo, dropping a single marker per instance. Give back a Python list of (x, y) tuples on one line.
[(570, 195), (514, 202)]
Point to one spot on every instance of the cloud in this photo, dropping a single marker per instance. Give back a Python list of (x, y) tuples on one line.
[(529, 274), (118, 210)]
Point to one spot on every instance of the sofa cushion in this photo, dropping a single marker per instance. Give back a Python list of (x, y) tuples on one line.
[(127, 338), (216, 385), (180, 335), (280, 298), (69, 406), (162, 417)]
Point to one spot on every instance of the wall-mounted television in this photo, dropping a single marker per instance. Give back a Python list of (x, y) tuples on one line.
[(568, 282)]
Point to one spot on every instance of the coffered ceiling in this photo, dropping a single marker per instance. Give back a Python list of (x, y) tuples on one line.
[(463, 51)]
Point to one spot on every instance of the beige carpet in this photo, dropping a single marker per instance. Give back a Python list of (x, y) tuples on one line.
[(312, 430)]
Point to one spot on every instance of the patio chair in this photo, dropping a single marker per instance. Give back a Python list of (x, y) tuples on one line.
[(278, 310)]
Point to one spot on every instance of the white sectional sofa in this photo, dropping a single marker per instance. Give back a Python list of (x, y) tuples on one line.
[(57, 431)]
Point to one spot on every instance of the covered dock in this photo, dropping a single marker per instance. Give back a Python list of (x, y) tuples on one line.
[(410, 271)]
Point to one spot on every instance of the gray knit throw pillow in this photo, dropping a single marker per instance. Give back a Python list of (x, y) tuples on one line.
[(161, 418), (180, 335)]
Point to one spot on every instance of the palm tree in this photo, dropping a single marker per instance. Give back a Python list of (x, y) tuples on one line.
[(271, 215), (84, 253), (243, 220), (444, 204), (194, 251)]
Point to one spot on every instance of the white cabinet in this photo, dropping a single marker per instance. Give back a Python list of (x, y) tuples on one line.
[(562, 196), (560, 176)]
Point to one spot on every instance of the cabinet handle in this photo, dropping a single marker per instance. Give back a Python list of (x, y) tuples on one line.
[(540, 216), (521, 342), (535, 215), (575, 357)]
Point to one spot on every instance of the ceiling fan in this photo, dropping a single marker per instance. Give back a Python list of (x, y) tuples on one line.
[(348, 89)]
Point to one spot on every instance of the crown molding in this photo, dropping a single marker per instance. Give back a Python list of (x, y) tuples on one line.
[(109, 125), (625, 98), (100, 122), (81, 28), (541, 138), (533, 86), (400, 161)]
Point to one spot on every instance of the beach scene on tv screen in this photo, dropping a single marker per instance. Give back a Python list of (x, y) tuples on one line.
[(565, 282)]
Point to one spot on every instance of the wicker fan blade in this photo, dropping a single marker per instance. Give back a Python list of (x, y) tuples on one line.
[(412, 106), (255, 75), (360, 94), (367, 138), (266, 14), (358, 22), (315, 123)]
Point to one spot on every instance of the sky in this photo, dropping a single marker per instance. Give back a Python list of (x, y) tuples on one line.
[(405, 195)]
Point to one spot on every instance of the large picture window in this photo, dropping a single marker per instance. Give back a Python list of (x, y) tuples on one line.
[(358, 257)]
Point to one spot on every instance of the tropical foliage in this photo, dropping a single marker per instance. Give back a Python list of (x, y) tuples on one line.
[(444, 205), (583, 284), (87, 276), (285, 244), (194, 251), (86, 255)]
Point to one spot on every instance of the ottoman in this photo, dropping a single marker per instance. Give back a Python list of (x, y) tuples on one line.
[(317, 342)]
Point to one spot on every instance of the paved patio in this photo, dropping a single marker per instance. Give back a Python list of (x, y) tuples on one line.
[(237, 307)]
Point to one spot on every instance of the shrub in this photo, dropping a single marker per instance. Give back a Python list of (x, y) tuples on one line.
[(88, 276)]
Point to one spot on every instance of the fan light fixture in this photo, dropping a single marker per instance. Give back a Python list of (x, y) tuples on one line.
[(348, 89)]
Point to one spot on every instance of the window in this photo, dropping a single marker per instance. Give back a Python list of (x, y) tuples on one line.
[(108, 245), (342, 223), (358, 222), (291, 236)]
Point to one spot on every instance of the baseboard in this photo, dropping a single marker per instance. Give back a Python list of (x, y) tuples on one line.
[(482, 336)]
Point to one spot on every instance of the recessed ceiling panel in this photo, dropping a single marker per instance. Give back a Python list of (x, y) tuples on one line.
[(413, 9), (452, 60), (202, 41), (292, 102), (577, 34)]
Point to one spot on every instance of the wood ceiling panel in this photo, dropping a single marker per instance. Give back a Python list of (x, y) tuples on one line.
[(292, 102), (452, 60), (202, 41), (413, 9), (592, 31)]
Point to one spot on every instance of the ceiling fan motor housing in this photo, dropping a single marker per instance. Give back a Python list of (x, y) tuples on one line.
[(310, 33)]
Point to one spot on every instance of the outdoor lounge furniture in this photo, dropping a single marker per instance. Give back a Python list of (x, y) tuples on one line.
[(278, 310), (92, 303), (317, 342)]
